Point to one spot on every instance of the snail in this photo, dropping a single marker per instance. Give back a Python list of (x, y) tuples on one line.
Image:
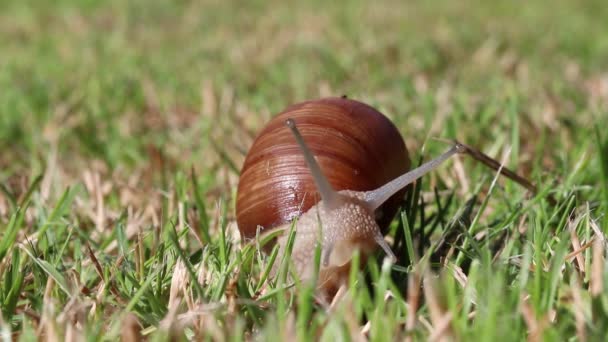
[(357, 148), (337, 165)]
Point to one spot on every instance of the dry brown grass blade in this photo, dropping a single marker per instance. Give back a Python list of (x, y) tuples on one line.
[(534, 326), (498, 167), (413, 302), (461, 174), (576, 245), (440, 318), (578, 307), (596, 285), (131, 329), (179, 283), (47, 331), (99, 271), (580, 250), (441, 330)]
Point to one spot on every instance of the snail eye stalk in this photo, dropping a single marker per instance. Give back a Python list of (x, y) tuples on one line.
[(331, 199)]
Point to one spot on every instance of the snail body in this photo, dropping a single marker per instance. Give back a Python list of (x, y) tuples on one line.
[(287, 171)]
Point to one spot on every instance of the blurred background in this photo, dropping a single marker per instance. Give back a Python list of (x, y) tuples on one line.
[(120, 88)]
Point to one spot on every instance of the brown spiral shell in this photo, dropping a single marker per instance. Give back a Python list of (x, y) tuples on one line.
[(357, 147)]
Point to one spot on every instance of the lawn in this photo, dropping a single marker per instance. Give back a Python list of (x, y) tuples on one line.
[(124, 125)]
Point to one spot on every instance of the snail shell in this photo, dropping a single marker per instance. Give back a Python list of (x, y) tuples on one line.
[(356, 146)]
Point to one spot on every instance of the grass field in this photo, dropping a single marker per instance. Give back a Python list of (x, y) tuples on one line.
[(124, 124)]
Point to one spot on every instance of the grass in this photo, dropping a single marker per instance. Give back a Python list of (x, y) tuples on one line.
[(123, 126)]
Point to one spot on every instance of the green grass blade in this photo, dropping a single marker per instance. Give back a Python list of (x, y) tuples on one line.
[(51, 271)]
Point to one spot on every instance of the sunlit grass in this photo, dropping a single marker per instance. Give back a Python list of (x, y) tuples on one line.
[(123, 126)]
